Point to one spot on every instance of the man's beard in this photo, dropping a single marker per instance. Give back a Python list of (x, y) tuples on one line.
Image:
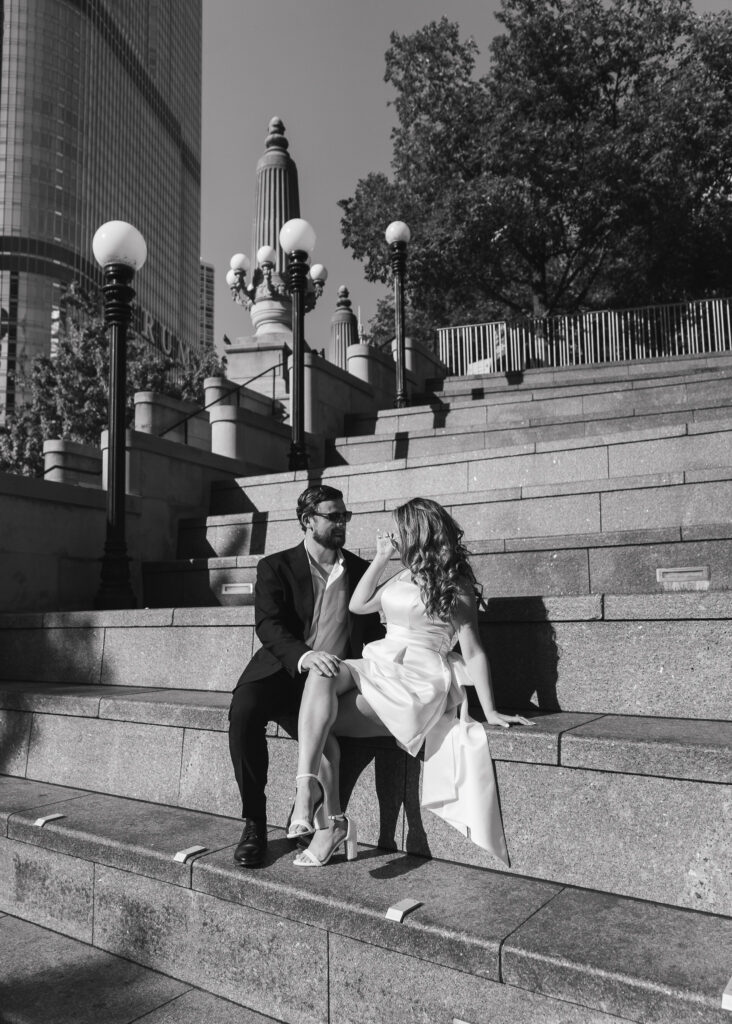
[(334, 542)]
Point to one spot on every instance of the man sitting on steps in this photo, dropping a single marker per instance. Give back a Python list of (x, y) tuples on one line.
[(302, 620)]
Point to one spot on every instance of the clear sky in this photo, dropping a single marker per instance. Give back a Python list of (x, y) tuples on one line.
[(319, 65)]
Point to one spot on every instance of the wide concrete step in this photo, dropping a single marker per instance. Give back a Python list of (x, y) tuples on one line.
[(685, 452), (624, 562), (482, 407), (306, 948), (656, 654), (458, 437), (575, 788), (52, 977), (662, 501), (595, 375)]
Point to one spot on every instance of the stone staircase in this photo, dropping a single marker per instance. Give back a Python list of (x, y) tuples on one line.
[(597, 504)]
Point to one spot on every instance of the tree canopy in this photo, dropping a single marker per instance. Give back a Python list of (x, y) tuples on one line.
[(591, 166), (65, 394)]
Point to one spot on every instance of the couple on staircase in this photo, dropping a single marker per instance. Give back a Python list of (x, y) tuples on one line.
[(324, 658)]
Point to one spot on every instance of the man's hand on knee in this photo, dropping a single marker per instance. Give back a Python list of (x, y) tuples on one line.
[(322, 662)]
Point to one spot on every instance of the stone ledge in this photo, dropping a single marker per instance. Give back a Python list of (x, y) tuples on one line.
[(465, 913), (671, 487), (698, 605), (46, 969), (131, 835), (17, 794), (79, 700), (669, 747), (680, 414), (634, 959), (539, 378), (399, 465), (674, 748), (638, 960), (617, 483), (539, 608), (498, 393), (615, 538), (140, 618), (131, 617)]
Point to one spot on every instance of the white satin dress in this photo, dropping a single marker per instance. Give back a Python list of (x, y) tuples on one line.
[(415, 683)]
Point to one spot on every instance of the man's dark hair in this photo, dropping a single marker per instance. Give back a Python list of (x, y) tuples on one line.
[(312, 497)]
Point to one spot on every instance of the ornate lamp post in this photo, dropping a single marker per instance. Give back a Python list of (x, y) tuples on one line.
[(302, 288), (120, 249), (398, 235), (297, 239)]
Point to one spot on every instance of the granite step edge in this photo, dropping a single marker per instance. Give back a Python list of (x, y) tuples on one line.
[(681, 415), (473, 920), (701, 605), (480, 546), (519, 491), (601, 373), (690, 749), (529, 449)]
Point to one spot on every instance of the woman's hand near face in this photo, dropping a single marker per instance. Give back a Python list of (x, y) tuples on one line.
[(367, 595), (385, 546)]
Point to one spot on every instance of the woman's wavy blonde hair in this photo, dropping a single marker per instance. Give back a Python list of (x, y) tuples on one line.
[(430, 546)]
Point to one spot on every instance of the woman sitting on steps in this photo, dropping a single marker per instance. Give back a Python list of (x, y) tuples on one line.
[(410, 685)]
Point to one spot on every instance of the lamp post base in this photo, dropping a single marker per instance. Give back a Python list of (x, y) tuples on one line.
[(298, 458), (115, 590)]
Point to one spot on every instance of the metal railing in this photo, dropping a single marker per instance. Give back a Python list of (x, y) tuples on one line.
[(235, 390), (601, 336)]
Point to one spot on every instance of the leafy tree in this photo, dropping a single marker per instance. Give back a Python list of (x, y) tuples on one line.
[(66, 394), (380, 332), (591, 165)]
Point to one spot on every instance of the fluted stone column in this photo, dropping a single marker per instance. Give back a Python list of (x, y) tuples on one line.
[(343, 329), (277, 197), (276, 200)]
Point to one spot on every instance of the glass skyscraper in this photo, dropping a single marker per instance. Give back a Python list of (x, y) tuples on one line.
[(100, 119), (206, 306)]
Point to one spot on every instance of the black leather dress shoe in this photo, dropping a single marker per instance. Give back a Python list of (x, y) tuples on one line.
[(252, 845)]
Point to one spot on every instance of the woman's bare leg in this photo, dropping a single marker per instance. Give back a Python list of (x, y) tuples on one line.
[(318, 711), (356, 718), (353, 717), (330, 767)]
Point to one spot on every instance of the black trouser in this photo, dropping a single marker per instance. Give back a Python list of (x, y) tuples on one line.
[(253, 705)]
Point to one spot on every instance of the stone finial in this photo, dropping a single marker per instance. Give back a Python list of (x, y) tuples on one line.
[(276, 135), (343, 328)]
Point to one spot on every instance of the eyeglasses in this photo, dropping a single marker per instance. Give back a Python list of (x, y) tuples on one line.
[(334, 517)]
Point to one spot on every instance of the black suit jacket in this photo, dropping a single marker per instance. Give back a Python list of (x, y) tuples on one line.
[(283, 613)]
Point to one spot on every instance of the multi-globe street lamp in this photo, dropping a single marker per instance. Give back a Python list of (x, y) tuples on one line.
[(397, 236), (304, 285), (120, 250)]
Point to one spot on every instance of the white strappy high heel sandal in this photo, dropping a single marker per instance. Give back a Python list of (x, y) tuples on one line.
[(301, 828), (307, 859)]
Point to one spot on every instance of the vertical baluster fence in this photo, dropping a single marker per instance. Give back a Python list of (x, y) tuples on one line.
[(598, 336)]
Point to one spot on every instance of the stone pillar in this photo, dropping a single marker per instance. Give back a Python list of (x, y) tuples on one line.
[(68, 462), (343, 329)]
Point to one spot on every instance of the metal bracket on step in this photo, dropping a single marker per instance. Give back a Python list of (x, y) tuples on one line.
[(237, 588), (727, 996), (40, 822), (183, 856), (398, 911), (684, 577)]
